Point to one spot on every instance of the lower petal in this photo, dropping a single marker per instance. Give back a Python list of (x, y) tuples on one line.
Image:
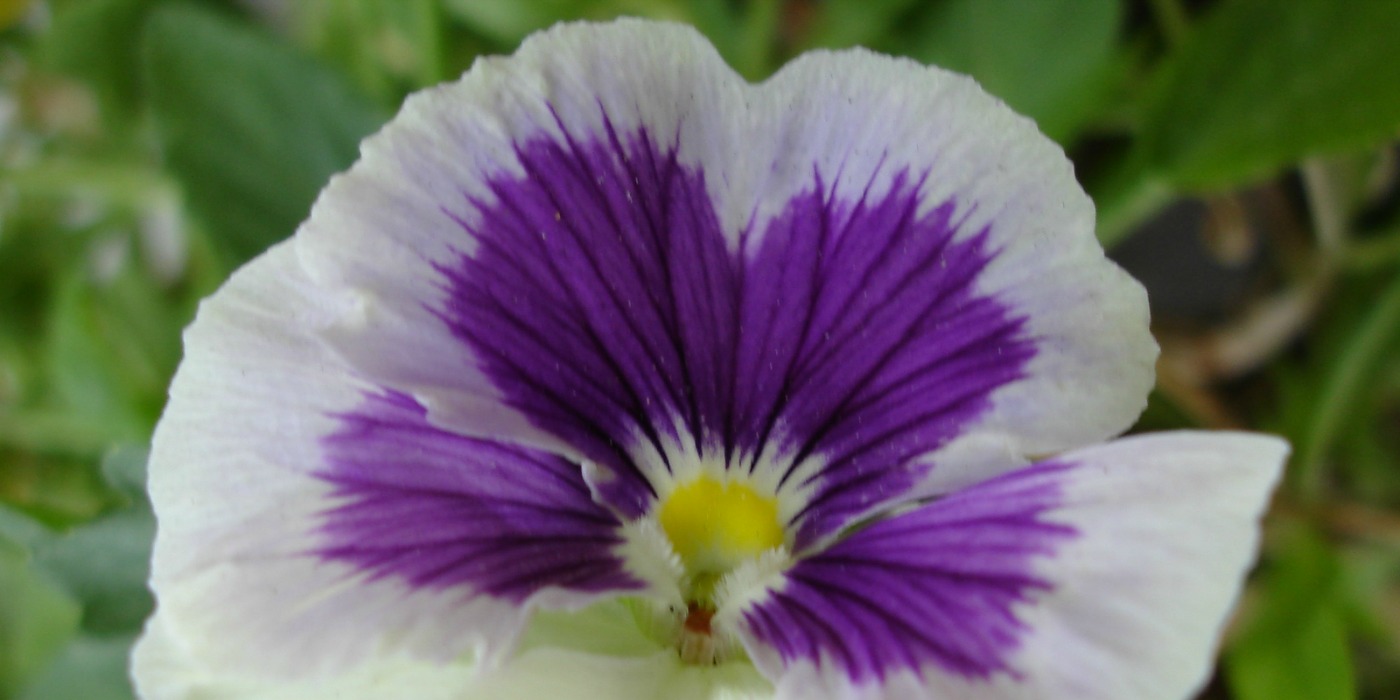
[(597, 654), (166, 667), (1106, 573)]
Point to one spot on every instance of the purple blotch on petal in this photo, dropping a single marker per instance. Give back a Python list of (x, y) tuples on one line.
[(874, 347), (604, 303), (600, 299), (937, 586), (439, 510)]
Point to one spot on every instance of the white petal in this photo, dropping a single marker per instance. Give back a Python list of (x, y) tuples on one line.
[(857, 121), (601, 654), (164, 667), (377, 231), (237, 478), (1143, 546), (597, 655), (1170, 527)]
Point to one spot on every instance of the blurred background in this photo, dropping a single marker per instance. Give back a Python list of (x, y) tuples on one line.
[(1242, 154)]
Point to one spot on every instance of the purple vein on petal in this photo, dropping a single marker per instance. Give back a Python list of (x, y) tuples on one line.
[(605, 304), (938, 586), (900, 353), (439, 510), (612, 299)]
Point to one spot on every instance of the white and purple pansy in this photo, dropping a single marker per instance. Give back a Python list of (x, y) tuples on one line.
[(607, 374)]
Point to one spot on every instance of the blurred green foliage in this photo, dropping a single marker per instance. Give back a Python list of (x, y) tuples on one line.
[(148, 147), (1295, 642), (270, 105)]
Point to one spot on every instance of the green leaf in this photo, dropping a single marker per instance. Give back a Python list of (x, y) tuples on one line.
[(843, 23), (102, 564), (385, 46), (56, 490), (95, 41), (1052, 60), (36, 619), (124, 468), (1261, 84), (744, 33), (95, 573), (110, 350), (105, 563), (509, 21), (1295, 645), (91, 668), (1125, 195), (252, 129), (1343, 382), (89, 380), (19, 530)]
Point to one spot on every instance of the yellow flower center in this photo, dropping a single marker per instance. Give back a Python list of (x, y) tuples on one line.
[(716, 525)]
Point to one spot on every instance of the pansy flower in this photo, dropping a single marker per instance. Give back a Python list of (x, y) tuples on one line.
[(604, 373)]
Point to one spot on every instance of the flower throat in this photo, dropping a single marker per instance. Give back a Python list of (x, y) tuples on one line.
[(714, 526)]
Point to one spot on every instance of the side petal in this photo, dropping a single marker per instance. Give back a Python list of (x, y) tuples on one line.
[(924, 276), (1104, 574), (438, 510), (308, 520), (874, 347)]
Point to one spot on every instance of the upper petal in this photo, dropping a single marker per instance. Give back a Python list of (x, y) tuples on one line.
[(943, 310), (864, 343), (508, 241), (1104, 574), (612, 246)]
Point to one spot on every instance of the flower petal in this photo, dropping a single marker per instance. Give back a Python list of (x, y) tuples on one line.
[(611, 246), (943, 310), (439, 510), (876, 345), (296, 502), (554, 673), (1106, 573), (164, 667), (560, 658), (493, 234)]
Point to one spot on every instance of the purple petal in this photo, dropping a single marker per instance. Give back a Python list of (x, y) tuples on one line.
[(600, 299), (938, 586), (875, 345), (1105, 574), (439, 510)]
